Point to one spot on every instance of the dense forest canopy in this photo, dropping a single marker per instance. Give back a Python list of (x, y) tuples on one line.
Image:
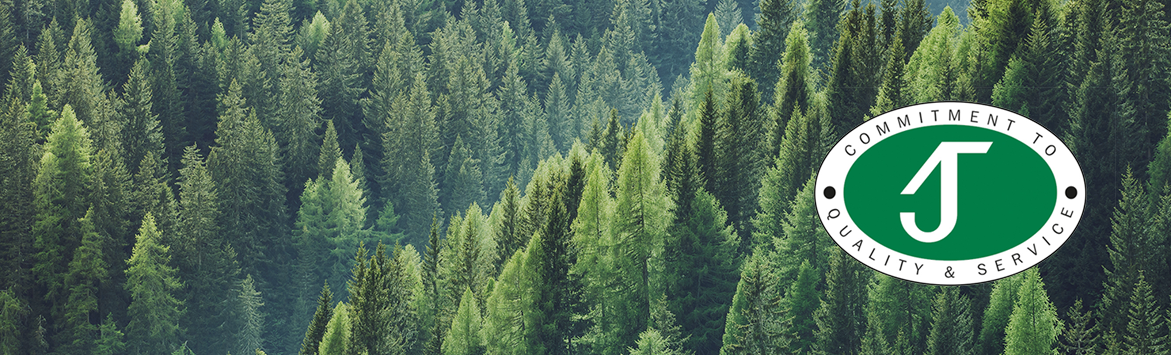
[(550, 177)]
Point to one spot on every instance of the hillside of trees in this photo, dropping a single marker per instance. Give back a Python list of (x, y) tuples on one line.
[(552, 177)]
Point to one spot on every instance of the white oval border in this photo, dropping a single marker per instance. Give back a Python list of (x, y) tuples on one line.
[(1066, 214)]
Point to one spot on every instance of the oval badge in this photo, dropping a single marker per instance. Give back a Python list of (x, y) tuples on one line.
[(950, 193)]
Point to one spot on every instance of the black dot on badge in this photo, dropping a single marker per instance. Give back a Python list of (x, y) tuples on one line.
[(1070, 192), (830, 192)]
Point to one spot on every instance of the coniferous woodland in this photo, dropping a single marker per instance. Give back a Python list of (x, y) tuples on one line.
[(550, 177)]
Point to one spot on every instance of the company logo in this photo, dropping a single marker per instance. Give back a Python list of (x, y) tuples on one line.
[(950, 193)]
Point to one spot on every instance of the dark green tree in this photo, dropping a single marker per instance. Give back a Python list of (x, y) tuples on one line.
[(142, 133), (776, 19), (706, 269), (296, 121), (738, 153), (154, 312), (951, 324), (1130, 253), (750, 328), (1080, 335), (821, 18), (1144, 329), (86, 272), (839, 329)]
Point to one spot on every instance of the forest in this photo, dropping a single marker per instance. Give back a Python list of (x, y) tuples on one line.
[(551, 177)]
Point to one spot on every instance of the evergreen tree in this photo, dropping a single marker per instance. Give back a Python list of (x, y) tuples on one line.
[(248, 304), (1033, 326), (1143, 40), (330, 153), (737, 156), (729, 15), (39, 112), (342, 63), (839, 330), (464, 178), (705, 141), (337, 332), (821, 17), (776, 19), (707, 71), (315, 335), (561, 127), (1144, 330), (60, 198), (19, 158), (852, 83), (611, 141), (1079, 337), (794, 87), (154, 312), (800, 303), (463, 338), (786, 180), (951, 324), (704, 272), (996, 316), (84, 90), (382, 315), (206, 261), (1032, 82), (507, 229), (750, 327), (110, 338), (296, 121), (1129, 250), (901, 313), (86, 271), (142, 134), (408, 151), (891, 95), (129, 32), (914, 23)]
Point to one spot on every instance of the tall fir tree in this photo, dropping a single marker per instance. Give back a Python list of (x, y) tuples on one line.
[(852, 84), (1144, 331), (951, 323), (996, 315), (839, 329), (738, 153), (1080, 335), (142, 133), (1033, 326), (86, 271), (154, 311), (776, 18), (408, 150), (314, 336), (704, 272), (750, 327), (1129, 250), (296, 122), (249, 335), (794, 87), (464, 338)]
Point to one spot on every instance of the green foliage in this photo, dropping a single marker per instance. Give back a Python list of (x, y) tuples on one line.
[(1130, 252), (821, 17), (704, 272), (1080, 336), (382, 314), (738, 156), (129, 30), (463, 338), (1144, 330), (996, 317), (951, 324), (839, 330), (110, 338), (315, 335), (337, 332), (800, 303), (154, 311), (900, 312), (248, 304), (408, 152), (750, 327), (776, 18), (142, 134), (330, 153), (853, 81), (1033, 326), (794, 87), (86, 271)]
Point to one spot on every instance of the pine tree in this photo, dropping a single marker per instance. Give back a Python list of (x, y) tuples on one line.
[(337, 332), (408, 151), (19, 158), (315, 335), (142, 133), (84, 90), (248, 303), (507, 229), (891, 95), (914, 22), (821, 17), (749, 329), (154, 312), (13, 311), (382, 316), (1032, 81), (296, 121), (1033, 326), (330, 153), (800, 303), (60, 190), (110, 338), (129, 30), (951, 324), (852, 83), (1129, 250), (704, 273), (463, 338), (839, 330), (793, 87), (1143, 40), (737, 155), (1144, 330), (561, 126), (39, 112), (273, 37), (206, 261), (342, 64), (996, 316), (707, 71), (727, 14), (86, 272), (610, 144), (705, 141), (463, 178), (1079, 337), (776, 19), (901, 310)]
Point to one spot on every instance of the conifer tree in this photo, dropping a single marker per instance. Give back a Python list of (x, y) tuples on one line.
[(891, 95), (296, 121), (154, 312), (610, 144), (129, 32), (463, 338), (704, 272), (142, 133), (705, 141), (852, 82), (1033, 326), (750, 328), (508, 229), (408, 150), (315, 335), (342, 63), (793, 87), (1143, 41), (728, 15), (1144, 329), (800, 303), (821, 17), (248, 303), (337, 332), (1129, 250), (914, 22), (86, 271), (951, 324), (19, 158), (463, 178), (1079, 337), (839, 329), (59, 191), (1032, 81), (206, 261), (84, 90), (902, 313), (738, 156), (776, 19), (330, 152), (707, 71), (39, 112), (996, 316), (110, 338), (383, 316), (561, 127)]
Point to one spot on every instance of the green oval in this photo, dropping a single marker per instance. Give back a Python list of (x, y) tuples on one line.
[(1004, 196)]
